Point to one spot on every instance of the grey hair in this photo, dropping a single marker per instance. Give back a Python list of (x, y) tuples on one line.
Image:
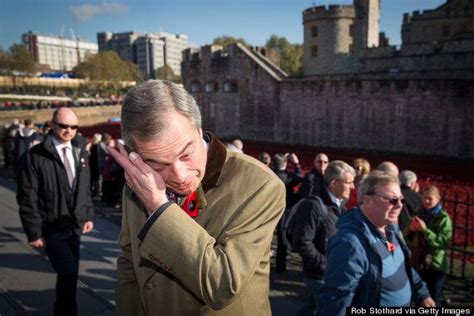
[(388, 167), (373, 180), (336, 170), (144, 105), (407, 177)]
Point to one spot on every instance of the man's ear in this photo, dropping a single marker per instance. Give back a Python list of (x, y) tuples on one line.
[(332, 184)]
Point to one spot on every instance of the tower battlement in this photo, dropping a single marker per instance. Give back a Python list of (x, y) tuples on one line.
[(329, 12)]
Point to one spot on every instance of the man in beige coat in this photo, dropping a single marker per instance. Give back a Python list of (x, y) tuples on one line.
[(197, 219)]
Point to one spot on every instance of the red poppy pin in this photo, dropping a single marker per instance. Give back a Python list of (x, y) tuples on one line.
[(191, 205), (391, 246)]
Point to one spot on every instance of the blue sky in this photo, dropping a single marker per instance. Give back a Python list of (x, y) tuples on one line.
[(201, 20)]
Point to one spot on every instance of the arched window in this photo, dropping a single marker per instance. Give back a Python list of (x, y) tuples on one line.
[(195, 87), (210, 87), (230, 86)]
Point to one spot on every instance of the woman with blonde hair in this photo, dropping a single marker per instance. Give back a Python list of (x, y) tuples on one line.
[(362, 168)]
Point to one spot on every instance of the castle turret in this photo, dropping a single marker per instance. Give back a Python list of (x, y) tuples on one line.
[(327, 39), (335, 36)]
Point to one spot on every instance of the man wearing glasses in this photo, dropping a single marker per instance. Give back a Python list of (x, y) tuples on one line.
[(315, 222), (313, 181), (55, 203), (368, 261)]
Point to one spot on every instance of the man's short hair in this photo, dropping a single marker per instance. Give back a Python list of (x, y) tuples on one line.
[(388, 167), (373, 180), (280, 161), (265, 158), (407, 177), (144, 105), (336, 170)]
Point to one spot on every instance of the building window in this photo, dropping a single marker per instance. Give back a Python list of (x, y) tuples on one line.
[(314, 31), (230, 87), (210, 87), (314, 51), (195, 87), (351, 30)]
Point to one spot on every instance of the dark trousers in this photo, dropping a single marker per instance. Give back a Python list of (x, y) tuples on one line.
[(281, 251), (435, 281), (62, 248)]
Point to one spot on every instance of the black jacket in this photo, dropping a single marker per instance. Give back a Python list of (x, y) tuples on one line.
[(312, 230), (291, 180), (413, 204), (43, 192), (312, 184)]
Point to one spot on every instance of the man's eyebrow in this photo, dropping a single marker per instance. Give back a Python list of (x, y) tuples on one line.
[(153, 160)]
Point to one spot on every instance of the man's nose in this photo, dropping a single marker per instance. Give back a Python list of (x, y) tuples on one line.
[(178, 173)]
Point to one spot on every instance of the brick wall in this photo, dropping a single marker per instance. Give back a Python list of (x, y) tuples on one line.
[(428, 117)]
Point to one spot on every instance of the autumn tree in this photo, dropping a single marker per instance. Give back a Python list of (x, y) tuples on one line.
[(226, 40), (107, 66), (291, 55), (17, 58), (166, 73)]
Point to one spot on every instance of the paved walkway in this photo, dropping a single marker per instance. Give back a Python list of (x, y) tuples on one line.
[(27, 280)]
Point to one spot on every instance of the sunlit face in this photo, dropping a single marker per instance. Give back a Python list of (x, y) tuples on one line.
[(430, 200), (342, 188), (178, 155), (377, 207), (64, 125), (321, 163)]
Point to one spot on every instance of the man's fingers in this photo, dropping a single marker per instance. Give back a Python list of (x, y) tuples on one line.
[(122, 159), (122, 149), (139, 163)]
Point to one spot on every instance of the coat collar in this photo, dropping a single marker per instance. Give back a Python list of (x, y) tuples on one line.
[(216, 156)]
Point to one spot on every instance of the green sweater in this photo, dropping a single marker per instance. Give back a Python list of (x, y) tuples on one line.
[(436, 238)]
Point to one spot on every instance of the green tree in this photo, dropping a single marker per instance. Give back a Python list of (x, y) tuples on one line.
[(165, 73), (107, 66), (291, 55), (226, 40)]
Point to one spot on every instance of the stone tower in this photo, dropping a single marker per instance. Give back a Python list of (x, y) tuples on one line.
[(368, 24), (335, 36)]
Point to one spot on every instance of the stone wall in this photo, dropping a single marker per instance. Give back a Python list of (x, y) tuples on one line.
[(452, 19), (428, 117)]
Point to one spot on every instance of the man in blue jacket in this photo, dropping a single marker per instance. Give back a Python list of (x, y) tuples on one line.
[(367, 259)]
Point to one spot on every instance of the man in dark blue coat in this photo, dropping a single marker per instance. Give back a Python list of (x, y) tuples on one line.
[(55, 203), (368, 262)]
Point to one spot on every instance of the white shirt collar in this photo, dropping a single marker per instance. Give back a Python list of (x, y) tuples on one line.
[(60, 145), (333, 198)]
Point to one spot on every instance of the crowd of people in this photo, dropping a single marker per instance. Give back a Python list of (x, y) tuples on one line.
[(366, 238), (199, 215)]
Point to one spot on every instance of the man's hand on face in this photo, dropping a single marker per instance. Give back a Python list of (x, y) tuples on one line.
[(37, 244), (147, 184)]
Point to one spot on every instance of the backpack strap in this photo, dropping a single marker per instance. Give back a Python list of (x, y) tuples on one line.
[(323, 209)]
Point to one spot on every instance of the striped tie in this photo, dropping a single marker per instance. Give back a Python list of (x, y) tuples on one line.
[(67, 165)]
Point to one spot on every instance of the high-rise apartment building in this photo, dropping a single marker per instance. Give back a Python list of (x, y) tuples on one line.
[(149, 51), (59, 53)]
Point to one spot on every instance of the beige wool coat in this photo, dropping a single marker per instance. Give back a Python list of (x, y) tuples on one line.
[(215, 264)]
